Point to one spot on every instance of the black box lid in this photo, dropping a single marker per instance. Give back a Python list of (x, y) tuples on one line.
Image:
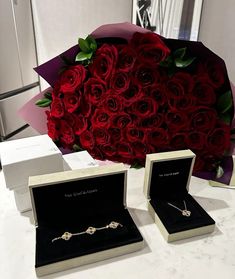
[(72, 196), (167, 174)]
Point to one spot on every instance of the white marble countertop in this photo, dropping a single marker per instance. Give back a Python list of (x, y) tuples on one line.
[(208, 256)]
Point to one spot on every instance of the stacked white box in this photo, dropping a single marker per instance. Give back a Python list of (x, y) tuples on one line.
[(25, 157)]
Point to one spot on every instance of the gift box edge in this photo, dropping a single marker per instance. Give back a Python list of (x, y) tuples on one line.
[(88, 259)]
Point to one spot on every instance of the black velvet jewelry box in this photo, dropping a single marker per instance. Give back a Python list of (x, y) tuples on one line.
[(73, 201), (174, 210)]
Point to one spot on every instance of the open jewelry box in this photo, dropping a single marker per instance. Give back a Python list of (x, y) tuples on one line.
[(166, 185), (81, 217)]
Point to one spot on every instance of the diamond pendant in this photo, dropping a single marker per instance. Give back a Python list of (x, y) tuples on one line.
[(186, 213)]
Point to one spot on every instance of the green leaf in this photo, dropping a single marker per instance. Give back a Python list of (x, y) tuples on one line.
[(45, 102), (93, 47), (84, 45), (167, 62), (219, 172), (171, 71), (81, 56), (225, 102), (91, 42), (48, 95), (232, 131), (183, 63), (77, 148), (180, 52), (136, 166), (226, 118)]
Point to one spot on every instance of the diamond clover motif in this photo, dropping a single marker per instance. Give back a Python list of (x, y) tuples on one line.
[(91, 230), (186, 213), (66, 236), (113, 225)]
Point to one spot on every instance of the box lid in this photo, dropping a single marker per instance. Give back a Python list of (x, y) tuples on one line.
[(24, 149), (29, 156), (168, 174), (72, 196)]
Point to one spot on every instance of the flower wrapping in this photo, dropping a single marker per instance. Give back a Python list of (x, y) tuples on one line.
[(140, 93)]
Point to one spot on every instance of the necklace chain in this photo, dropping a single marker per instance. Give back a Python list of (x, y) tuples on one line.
[(185, 212)]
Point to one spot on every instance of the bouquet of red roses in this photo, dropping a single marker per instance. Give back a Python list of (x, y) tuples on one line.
[(122, 96)]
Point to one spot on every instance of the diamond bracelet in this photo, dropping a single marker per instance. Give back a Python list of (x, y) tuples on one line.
[(90, 230)]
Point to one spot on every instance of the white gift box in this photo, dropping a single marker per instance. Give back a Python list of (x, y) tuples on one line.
[(166, 186), (22, 199), (78, 160), (81, 217), (24, 157)]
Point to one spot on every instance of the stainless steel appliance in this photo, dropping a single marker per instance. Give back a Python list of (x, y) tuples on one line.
[(18, 81)]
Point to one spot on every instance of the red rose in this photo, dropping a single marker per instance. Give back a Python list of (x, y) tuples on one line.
[(150, 48), (203, 92), (133, 93), (203, 119), (145, 107), (109, 150), (186, 80), (94, 90), (101, 136), (66, 134), (70, 118), (56, 91), (145, 75), (149, 38), (121, 120), (72, 79), (184, 103), (157, 137), (214, 72), (124, 150), (199, 164), (52, 126), (57, 108), (80, 124), (127, 57), (85, 108), (218, 140), (112, 103), (72, 101), (154, 121), (120, 82), (104, 62), (87, 140), (158, 93), (196, 140), (140, 150), (175, 88), (153, 53), (115, 134), (178, 141), (100, 118), (97, 153), (211, 161), (134, 133), (177, 121)]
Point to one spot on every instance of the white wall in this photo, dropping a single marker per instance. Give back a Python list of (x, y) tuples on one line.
[(59, 23), (217, 31)]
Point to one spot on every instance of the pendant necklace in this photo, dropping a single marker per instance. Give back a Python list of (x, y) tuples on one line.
[(185, 212)]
